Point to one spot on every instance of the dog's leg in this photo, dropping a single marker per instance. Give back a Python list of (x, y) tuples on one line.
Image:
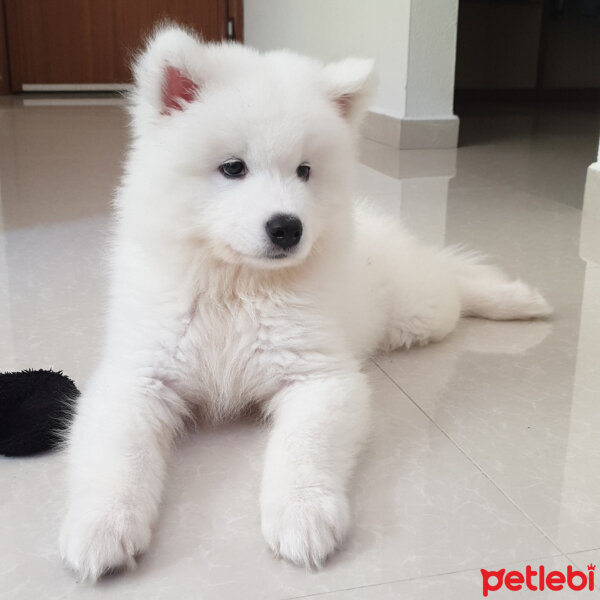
[(427, 302), (118, 448), (318, 429), (425, 306)]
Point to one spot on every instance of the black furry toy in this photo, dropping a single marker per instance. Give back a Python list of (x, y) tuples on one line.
[(35, 407)]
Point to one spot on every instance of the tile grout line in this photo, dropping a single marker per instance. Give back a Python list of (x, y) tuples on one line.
[(586, 550), (472, 461), (416, 578), (574, 555)]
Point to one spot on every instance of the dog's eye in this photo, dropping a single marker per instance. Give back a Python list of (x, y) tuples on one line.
[(303, 171), (234, 168)]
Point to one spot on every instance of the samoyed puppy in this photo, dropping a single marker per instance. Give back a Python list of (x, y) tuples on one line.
[(243, 273)]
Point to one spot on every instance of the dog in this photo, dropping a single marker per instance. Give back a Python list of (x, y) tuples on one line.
[(244, 275)]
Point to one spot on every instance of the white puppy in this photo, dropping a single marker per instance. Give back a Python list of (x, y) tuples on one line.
[(244, 273)]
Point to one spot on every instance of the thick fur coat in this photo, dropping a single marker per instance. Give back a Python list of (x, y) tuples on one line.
[(218, 304)]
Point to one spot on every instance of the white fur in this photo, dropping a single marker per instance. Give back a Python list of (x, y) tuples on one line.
[(202, 320)]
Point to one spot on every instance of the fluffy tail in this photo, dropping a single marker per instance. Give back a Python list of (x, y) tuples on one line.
[(487, 292)]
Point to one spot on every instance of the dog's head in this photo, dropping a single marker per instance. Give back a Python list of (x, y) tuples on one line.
[(248, 153)]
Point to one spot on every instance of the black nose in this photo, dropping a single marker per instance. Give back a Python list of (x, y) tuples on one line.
[(284, 231)]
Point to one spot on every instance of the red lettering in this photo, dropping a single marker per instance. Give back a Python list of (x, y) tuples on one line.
[(513, 581), (530, 574), (571, 576), (487, 587), (555, 580), (576, 580)]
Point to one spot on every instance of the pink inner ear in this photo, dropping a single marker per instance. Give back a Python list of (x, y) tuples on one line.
[(344, 103), (177, 89)]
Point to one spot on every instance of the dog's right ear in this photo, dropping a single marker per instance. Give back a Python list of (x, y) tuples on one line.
[(167, 74)]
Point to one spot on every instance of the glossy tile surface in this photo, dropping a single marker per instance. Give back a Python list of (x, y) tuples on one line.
[(464, 584), (484, 452)]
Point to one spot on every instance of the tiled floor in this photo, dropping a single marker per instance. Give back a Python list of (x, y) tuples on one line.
[(484, 452)]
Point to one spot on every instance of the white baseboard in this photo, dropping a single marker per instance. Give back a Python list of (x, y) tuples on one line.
[(589, 242), (408, 134), (75, 87), (591, 198)]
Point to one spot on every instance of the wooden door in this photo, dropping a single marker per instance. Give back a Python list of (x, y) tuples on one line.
[(4, 78), (92, 41)]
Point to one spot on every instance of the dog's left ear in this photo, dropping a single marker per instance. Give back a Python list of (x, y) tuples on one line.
[(350, 84)]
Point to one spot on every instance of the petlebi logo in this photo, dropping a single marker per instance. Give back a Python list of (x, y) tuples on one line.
[(538, 580)]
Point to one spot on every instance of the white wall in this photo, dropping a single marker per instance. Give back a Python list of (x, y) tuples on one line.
[(332, 29), (431, 59)]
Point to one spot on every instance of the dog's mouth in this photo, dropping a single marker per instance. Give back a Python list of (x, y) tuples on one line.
[(278, 254), (277, 257), (270, 258)]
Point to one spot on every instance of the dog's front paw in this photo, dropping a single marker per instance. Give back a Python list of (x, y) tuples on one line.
[(305, 525), (94, 543)]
